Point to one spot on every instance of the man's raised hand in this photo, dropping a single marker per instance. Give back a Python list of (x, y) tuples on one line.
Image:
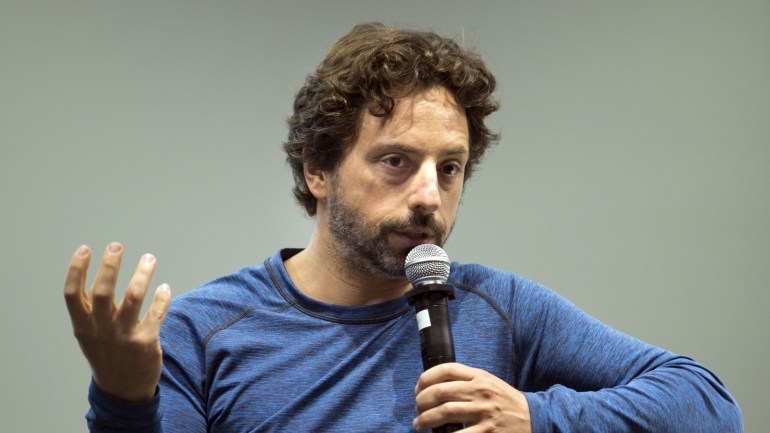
[(123, 351)]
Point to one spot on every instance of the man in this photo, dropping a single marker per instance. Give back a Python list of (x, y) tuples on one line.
[(383, 137)]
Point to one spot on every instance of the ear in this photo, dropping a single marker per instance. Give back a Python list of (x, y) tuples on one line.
[(317, 181)]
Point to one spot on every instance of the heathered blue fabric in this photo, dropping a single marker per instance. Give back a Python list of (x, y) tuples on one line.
[(249, 353)]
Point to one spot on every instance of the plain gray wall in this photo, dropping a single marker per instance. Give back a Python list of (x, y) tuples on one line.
[(632, 176)]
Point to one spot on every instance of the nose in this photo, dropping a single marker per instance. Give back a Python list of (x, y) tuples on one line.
[(425, 196)]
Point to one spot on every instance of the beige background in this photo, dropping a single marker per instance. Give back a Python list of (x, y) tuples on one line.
[(632, 176)]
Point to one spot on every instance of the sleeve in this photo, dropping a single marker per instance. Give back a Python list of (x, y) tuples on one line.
[(182, 383), (579, 375), (179, 403), (111, 415)]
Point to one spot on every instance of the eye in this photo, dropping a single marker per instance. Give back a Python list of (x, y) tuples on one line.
[(394, 161), (451, 169)]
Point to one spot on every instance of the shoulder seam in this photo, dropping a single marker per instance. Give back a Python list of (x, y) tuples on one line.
[(245, 312), (489, 300), (232, 321), (502, 314)]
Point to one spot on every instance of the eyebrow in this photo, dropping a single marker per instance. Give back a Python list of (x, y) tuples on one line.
[(403, 148)]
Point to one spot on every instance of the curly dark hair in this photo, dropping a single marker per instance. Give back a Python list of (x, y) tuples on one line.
[(367, 69)]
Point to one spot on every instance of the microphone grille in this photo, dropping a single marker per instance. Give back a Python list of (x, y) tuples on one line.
[(426, 262)]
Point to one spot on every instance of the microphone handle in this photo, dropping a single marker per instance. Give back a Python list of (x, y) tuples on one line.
[(436, 344)]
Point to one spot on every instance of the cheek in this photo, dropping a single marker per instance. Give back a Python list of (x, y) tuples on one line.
[(451, 205), (373, 205)]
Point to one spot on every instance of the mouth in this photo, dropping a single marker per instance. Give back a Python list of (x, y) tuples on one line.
[(416, 236)]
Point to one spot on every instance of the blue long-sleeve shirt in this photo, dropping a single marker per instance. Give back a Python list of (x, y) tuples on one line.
[(250, 353)]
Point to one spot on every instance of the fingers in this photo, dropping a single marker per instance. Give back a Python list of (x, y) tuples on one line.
[(448, 413), (444, 373), (98, 307), (448, 403), (103, 290), (457, 394), (442, 396), (455, 391), (74, 286), (131, 305), (158, 309)]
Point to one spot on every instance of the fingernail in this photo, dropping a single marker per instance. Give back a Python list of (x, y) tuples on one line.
[(83, 251), (415, 425), (114, 248), (148, 258), (164, 289)]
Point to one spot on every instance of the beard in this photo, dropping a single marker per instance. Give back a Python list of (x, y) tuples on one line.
[(366, 246)]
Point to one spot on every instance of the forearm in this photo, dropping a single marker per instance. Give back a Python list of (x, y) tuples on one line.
[(579, 375), (680, 396)]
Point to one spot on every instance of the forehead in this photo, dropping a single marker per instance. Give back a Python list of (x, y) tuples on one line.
[(429, 116)]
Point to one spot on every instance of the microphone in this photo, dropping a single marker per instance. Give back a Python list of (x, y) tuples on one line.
[(427, 268)]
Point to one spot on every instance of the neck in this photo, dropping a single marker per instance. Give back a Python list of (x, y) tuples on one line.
[(322, 274)]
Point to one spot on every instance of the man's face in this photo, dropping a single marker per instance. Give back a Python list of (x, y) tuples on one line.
[(400, 183)]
